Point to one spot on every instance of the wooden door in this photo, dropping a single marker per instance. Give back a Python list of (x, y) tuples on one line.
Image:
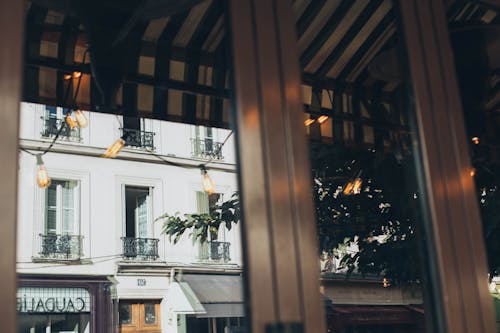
[(140, 316)]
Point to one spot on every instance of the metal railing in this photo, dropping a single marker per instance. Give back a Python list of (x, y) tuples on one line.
[(206, 148), (140, 248), (215, 251), (51, 125), (138, 138), (62, 247)]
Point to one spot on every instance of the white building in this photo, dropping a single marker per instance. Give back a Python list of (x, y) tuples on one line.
[(89, 246)]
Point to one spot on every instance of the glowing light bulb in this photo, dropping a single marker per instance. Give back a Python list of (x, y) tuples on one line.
[(67, 76), (71, 122), (76, 75), (348, 188), (208, 184), (114, 149), (81, 120), (356, 189), (42, 176), (475, 140), (472, 172), (309, 121), (322, 119), (385, 283)]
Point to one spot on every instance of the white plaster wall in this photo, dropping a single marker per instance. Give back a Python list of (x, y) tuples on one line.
[(102, 221)]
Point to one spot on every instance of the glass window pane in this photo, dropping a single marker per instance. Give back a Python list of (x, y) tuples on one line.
[(475, 41), (125, 313), (150, 313), (365, 167)]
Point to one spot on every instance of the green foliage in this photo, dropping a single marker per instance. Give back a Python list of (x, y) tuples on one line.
[(381, 220), (200, 226)]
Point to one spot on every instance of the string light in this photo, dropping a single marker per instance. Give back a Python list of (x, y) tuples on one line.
[(42, 176), (472, 172), (322, 119), (77, 75), (81, 120), (114, 149), (356, 189), (475, 140), (207, 182), (348, 188), (67, 76), (309, 121), (70, 121)]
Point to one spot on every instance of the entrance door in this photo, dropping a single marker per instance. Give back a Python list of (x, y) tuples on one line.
[(140, 316)]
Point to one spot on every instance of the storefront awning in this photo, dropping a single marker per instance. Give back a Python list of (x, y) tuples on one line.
[(219, 295), (182, 299)]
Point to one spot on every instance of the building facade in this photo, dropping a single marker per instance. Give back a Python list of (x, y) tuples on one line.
[(91, 254)]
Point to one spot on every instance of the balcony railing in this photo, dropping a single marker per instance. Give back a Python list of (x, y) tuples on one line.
[(51, 125), (62, 247), (215, 251), (206, 148), (140, 248), (138, 138)]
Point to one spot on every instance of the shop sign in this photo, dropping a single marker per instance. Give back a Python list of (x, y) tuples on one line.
[(52, 300)]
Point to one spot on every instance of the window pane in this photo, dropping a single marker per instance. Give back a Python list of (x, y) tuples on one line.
[(125, 313), (149, 313), (475, 41), (368, 201)]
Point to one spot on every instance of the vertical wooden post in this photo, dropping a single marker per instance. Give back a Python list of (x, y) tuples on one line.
[(275, 175), (460, 257), (11, 57)]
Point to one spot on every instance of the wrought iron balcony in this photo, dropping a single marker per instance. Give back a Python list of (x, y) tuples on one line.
[(138, 138), (140, 248), (215, 251), (51, 125), (206, 148), (62, 247)]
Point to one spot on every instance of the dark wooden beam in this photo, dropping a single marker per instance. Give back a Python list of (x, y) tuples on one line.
[(66, 55), (32, 39), (326, 32), (376, 124), (309, 16), (348, 37), (365, 47), (162, 64), (211, 15), (346, 87)]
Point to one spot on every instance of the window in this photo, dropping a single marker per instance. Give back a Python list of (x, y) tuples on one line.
[(137, 243), (204, 145), (60, 237), (51, 123), (62, 207), (137, 214), (138, 133), (216, 249)]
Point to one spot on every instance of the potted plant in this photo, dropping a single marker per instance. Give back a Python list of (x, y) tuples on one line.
[(204, 228)]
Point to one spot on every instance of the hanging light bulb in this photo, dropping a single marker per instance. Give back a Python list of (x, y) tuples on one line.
[(348, 188), (81, 120), (356, 188), (208, 184), (475, 140), (42, 177), (114, 149), (67, 76), (71, 122), (309, 121), (76, 75), (472, 172), (386, 283), (322, 119)]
